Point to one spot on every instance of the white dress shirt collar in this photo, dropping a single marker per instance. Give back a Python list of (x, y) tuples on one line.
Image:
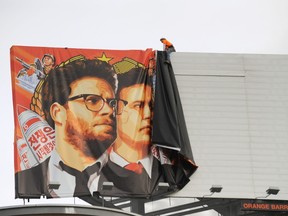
[(66, 181)]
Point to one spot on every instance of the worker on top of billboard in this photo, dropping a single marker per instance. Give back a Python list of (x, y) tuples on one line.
[(132, 167), (78, 100), (168, 47)]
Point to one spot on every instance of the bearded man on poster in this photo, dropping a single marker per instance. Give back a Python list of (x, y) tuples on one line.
[(78, 100)]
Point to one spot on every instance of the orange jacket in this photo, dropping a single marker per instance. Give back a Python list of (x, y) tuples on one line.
[(166, 43)]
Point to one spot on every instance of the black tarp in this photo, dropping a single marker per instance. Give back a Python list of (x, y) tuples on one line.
[(169, 126)]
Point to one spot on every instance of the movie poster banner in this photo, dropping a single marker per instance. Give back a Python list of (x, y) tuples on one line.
[(83, 121)]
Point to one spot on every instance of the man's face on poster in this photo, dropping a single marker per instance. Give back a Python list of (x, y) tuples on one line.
[(134, 125), (48, 61), (91, 131)]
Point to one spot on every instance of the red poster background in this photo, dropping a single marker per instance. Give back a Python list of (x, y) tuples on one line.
[(28, 54)]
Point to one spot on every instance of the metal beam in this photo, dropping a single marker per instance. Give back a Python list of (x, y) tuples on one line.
[(97, 201), (182, 207)]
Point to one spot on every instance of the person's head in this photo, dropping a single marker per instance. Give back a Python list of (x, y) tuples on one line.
[(162, 39), (76, 100), (48, 60), (134, 124)]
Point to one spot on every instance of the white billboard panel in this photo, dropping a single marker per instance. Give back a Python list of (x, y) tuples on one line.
[(236, 110)]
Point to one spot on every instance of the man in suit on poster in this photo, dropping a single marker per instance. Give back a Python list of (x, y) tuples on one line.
[(78, 100), (133, 165)]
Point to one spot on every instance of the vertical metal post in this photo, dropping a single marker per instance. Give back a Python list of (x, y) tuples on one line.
[(138, 206)]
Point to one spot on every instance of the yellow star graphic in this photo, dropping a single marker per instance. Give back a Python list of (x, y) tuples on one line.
[(104, 58)]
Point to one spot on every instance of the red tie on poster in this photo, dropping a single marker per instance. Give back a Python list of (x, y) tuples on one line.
[(135, 167)]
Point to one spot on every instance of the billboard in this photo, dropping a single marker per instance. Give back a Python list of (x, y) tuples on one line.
[(87, 118), (236, 111)]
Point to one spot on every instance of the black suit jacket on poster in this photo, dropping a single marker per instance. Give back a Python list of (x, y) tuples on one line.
[(130, 184), (32, 183)]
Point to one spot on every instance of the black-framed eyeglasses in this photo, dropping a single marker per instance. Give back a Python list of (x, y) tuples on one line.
[(95, 103)]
